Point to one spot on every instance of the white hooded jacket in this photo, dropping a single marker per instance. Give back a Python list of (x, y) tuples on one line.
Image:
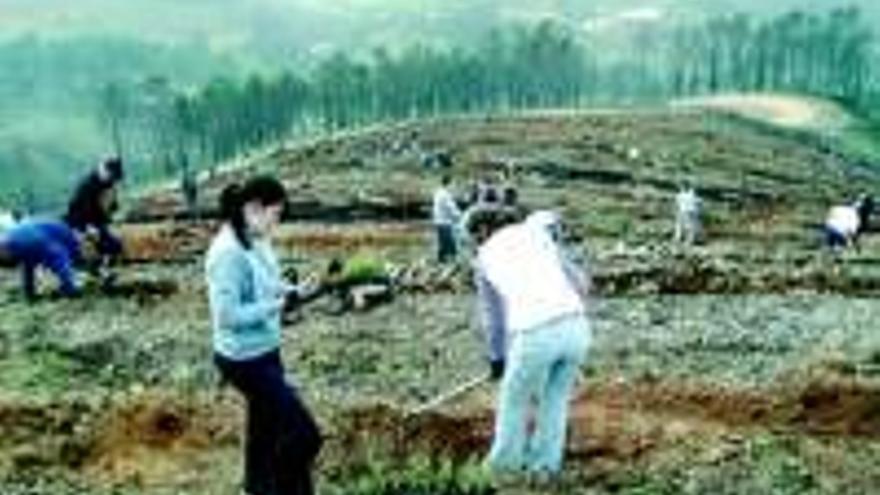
[(525, 267)]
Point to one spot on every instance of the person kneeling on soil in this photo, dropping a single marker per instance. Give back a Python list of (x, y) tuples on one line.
[(533, 300), (359, 283), (45, 243), (247, 297)]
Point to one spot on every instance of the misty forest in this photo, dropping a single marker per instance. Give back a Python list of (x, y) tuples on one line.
[(439, 247)]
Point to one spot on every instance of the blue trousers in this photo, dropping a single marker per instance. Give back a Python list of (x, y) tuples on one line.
[(57, 260), (282, 439), (48, 244), (447, 246), (542, 366)]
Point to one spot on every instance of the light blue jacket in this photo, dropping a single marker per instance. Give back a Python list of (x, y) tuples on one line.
[(244, 288)]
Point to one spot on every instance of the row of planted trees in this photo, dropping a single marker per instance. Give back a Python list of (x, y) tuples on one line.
[(541, 66), (829, 55)]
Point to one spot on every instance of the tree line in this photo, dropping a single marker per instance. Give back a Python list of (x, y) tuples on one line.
[(525, 67), (167, 127), (49, 95)]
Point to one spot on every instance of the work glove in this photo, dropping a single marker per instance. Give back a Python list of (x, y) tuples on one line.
[(496, 369)]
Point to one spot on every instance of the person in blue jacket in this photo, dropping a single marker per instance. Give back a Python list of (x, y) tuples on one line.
[(43, 243), (248, 296)]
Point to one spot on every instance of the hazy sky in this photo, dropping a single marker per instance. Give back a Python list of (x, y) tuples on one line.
[(309, 24)]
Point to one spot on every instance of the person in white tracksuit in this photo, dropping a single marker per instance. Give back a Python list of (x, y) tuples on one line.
[(534, 305), (446, 216), (688, 227)]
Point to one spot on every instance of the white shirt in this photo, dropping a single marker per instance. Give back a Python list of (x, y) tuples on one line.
[(524, 266), (688, 203), (844, 220), (7, 221), (445, 210)]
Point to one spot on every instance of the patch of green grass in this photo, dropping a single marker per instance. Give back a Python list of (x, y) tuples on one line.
[(418, 475), (45, 372)]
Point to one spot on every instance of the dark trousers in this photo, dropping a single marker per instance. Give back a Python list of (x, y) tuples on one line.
[(282, 439), (447, 248), (834, 239), (108, 243)]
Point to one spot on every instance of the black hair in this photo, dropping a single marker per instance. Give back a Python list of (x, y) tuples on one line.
[(335, 267), (490, 195), (486, 220), (113, 166), (266, 190)]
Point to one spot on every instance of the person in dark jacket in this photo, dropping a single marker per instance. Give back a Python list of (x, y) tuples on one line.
[(50, 244), (92, 206)]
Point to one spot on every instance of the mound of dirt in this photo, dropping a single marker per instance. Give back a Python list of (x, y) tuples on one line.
[(619, 423), (664, 271), (458, 437), (157, 438), (838, 408), (156, 243), (348, 239)]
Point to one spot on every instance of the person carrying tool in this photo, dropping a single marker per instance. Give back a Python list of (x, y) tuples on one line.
[(533, 301), (247, 297)]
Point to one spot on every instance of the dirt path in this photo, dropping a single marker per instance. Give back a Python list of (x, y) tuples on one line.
[(796, 112)]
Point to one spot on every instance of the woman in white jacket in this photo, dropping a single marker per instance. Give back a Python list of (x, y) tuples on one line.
[(534, 305)]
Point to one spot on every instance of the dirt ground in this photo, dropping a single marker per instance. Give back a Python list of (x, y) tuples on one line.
[(747, 365)]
